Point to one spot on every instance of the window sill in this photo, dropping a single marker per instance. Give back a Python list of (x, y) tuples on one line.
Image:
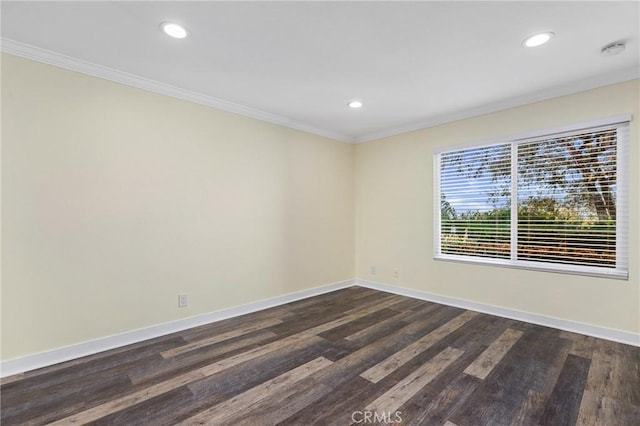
[(537, 266)]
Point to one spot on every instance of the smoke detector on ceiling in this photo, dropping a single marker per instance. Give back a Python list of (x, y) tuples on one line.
[(613, 49)]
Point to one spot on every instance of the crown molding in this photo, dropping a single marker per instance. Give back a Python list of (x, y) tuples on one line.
[(38, 54), (57, 59), (620, 76)]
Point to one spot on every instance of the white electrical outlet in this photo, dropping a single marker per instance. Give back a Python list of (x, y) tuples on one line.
[(182, 300), (373, 270), (396, 273)]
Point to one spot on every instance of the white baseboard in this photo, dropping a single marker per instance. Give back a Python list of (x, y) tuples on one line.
[(562, 324), (55, 356), (44, 359)]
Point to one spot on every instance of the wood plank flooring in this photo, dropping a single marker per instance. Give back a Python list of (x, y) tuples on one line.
[(350, 357)]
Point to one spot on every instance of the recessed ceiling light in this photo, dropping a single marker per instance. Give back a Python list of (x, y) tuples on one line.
[(537, 39), (355, 104), (173, 30)]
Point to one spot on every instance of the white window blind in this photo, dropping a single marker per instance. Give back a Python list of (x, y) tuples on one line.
[(554, 201), (475, 200)]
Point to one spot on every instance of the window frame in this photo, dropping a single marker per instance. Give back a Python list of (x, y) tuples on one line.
[(621, 270)]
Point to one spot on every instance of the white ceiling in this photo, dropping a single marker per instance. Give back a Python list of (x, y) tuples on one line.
[(413, 64)]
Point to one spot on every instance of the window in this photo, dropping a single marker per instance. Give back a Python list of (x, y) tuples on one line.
[(554, 200)]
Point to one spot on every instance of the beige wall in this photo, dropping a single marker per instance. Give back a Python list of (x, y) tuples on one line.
[(394, 217), (114, 200)]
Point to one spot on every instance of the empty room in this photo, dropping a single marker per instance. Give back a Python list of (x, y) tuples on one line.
[(320, 213)]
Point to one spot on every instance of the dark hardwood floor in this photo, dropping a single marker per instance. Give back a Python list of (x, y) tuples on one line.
[(354, 356)]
